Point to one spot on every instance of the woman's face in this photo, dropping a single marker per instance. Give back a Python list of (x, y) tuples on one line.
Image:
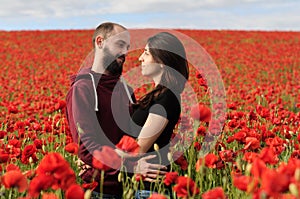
[(150, 67)]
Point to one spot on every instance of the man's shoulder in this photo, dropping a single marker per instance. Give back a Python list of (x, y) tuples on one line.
[(82, 86), (82, 81)]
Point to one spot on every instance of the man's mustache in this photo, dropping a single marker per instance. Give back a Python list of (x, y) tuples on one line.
[(123, 57)]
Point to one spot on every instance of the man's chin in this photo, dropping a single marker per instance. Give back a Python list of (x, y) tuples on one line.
[(115, 69)]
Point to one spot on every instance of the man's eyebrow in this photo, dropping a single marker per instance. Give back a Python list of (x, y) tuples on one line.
[(123, 42)]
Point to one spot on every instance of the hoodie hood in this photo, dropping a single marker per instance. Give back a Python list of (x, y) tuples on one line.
[(84, 73), (103, 82)]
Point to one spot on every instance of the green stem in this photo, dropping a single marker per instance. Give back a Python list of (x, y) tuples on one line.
[(101, 183)]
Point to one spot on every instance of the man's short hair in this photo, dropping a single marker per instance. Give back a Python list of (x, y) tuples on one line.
[(105, 30)]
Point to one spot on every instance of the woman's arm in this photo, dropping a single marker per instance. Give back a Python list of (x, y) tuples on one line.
[(153, 127)]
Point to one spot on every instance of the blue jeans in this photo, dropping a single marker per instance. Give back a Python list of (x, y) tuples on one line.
[(96, 195), (142, 194)]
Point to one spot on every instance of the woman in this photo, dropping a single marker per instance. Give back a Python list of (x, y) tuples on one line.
[(157, 112)]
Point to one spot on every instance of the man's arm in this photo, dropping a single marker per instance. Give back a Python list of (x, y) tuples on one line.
[(84, 119)]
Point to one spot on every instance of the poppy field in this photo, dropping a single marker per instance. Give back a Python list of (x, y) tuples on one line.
[(257, 154)]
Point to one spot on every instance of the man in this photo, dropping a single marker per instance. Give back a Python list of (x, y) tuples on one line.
[(93, 93)]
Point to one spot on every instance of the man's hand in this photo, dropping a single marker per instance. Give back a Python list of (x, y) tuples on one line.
[(149, 171)]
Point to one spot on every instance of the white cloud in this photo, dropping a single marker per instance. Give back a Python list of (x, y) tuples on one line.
[(216, 14)]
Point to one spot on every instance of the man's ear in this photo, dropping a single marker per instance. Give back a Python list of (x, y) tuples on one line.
[(99, 41)]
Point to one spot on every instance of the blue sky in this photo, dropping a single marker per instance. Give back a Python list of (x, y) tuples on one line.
[(187, 14)]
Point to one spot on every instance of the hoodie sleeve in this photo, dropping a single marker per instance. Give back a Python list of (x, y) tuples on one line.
[(89, 132)]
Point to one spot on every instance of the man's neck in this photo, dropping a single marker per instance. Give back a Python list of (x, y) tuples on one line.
[(98, 67), (99, 70)]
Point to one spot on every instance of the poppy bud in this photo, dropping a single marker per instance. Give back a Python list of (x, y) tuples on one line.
[(30, 160), (248, 168), (87, 194), (170, 157), (156, 147), (297, 174), (293, 189), (120, 176)]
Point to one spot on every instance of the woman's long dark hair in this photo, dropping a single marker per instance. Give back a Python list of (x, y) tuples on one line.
[(168, 50)]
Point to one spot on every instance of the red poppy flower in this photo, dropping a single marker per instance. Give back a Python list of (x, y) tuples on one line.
[(227, 155), (39, 183), (29, 152), (239, 136), (276, 141), (252, 143), (2, 134), (139, 177), (288, 196), (12, 167), (201, 131), (296, 154), (13, 179), (74, 192), (106, 159), (216, 193), (180, 160), (269, 156), (250, 156), (60, 105), (201, 112), (197, 146), (128, 144), (262, 111), (170, 178), (12, 109), (38, 143), (185, 187), (241, 182), (91, 185), (274, 183), (49, 196), (72, 148), (14, 142), (157, 196), (258, 168), (54, 164), (4, 157), (211, 160)]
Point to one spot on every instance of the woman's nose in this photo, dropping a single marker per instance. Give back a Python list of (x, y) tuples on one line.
[(141, 57)]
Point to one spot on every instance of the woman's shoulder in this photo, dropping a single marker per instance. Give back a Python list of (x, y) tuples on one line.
[(169, 94), (168, 99)]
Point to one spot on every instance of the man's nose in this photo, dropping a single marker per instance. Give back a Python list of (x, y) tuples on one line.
[(124, 51)]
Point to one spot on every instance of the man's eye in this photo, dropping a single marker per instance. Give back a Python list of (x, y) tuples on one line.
[(121, 45)]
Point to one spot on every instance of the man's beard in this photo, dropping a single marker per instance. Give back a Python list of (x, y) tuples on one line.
[(111, 63)]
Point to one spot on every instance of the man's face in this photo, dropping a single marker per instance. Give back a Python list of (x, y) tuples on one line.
[(115, 50)]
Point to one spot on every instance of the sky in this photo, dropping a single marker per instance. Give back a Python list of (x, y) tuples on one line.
[(278, 15)]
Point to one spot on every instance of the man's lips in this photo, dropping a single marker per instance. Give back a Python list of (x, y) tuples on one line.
[(121, 59)]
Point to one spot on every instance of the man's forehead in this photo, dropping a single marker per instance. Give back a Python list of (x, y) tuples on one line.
[(124, 36)]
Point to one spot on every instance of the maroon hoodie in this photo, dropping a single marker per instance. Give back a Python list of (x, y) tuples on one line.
[(98, 108)]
